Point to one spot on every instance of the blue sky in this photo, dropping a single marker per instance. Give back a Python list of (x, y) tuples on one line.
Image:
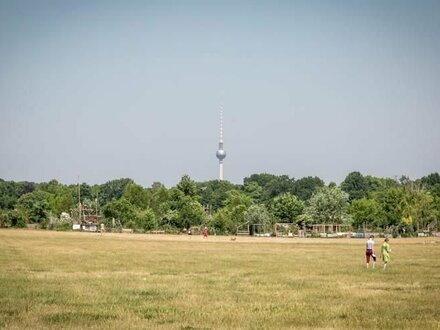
[(110, 89)]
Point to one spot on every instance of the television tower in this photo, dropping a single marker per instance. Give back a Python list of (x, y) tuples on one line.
[(221, 154)]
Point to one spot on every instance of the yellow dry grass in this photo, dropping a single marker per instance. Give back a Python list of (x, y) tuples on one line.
[(84, 280)]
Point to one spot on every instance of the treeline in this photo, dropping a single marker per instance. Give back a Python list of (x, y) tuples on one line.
[(402, 206)]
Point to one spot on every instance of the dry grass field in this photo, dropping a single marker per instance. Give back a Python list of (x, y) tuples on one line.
[(84, 280)]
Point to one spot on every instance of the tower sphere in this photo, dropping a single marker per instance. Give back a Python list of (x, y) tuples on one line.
[(221, 154)]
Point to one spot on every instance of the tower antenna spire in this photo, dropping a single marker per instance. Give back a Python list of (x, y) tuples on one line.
[(221, 154)]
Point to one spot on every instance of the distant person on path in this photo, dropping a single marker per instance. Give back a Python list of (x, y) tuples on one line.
[(205, 232), (369, 251), (385, 251), (102, 228)]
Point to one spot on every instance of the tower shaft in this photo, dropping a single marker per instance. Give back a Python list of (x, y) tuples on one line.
[(221, 154)]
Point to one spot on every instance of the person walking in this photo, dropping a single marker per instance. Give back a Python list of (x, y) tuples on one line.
[(205, 232), (385, 251), (369, 251)]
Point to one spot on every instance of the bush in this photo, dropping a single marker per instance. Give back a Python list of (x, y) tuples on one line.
[(63, 226)]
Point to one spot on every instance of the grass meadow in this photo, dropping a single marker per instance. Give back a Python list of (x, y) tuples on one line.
[(119, 281)]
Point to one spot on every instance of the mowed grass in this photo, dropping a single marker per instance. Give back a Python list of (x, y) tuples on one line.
[(84, 280)]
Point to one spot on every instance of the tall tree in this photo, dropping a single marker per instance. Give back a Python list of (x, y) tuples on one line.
[(365, 212), (137, 195), (232, 215), (111, 190), (286, 207), (253, 190), (35, 206), (120, 209), (432, 183), (393, 205), (258, 214), (187, 186), (214, 193), (159, 199), (355, 185), (328, 205), (305, 187)]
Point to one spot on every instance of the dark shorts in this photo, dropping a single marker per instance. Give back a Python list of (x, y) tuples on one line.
[(368, 254)]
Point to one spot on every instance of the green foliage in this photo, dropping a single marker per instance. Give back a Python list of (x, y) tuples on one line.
[(253, 190), (328, 205), (10, 191), (271, 185), (62, 202), (8, 194), (287, 207), (190, 213), (305, 187), (365, 211), (120, 209), (262, 179), (34, 206), (432, 183), (187, 187), (63, 226), (259, 215), (159, 197), (145, 220), (184, 200), (393, 206), (223, 223), (137, 195), (422, 210), (236, 206), (16, 219), (214, 193), (355, 185), (111, 190)]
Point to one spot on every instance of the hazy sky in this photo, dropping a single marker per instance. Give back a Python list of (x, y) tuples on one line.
[(111, 89)]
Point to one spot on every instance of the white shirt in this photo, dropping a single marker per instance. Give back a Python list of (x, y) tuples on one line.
[(370, 244)]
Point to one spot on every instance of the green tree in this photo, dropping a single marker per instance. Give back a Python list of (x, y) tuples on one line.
[(271, 185), (258, 214), (236, 206), (111, 190), (145, 219), (12, 218), (62, 202), (253, 190), (393, 205), (120, 209), (34, 206), (355, 185), (222, 222), (214, 193), (432, 183), (159, 197), (188, 187), (365, 211), (189, 211), (305, 187), (422, 210), (328, 205), (137, 196), (8, 194), (287, 207), (11, 191)]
